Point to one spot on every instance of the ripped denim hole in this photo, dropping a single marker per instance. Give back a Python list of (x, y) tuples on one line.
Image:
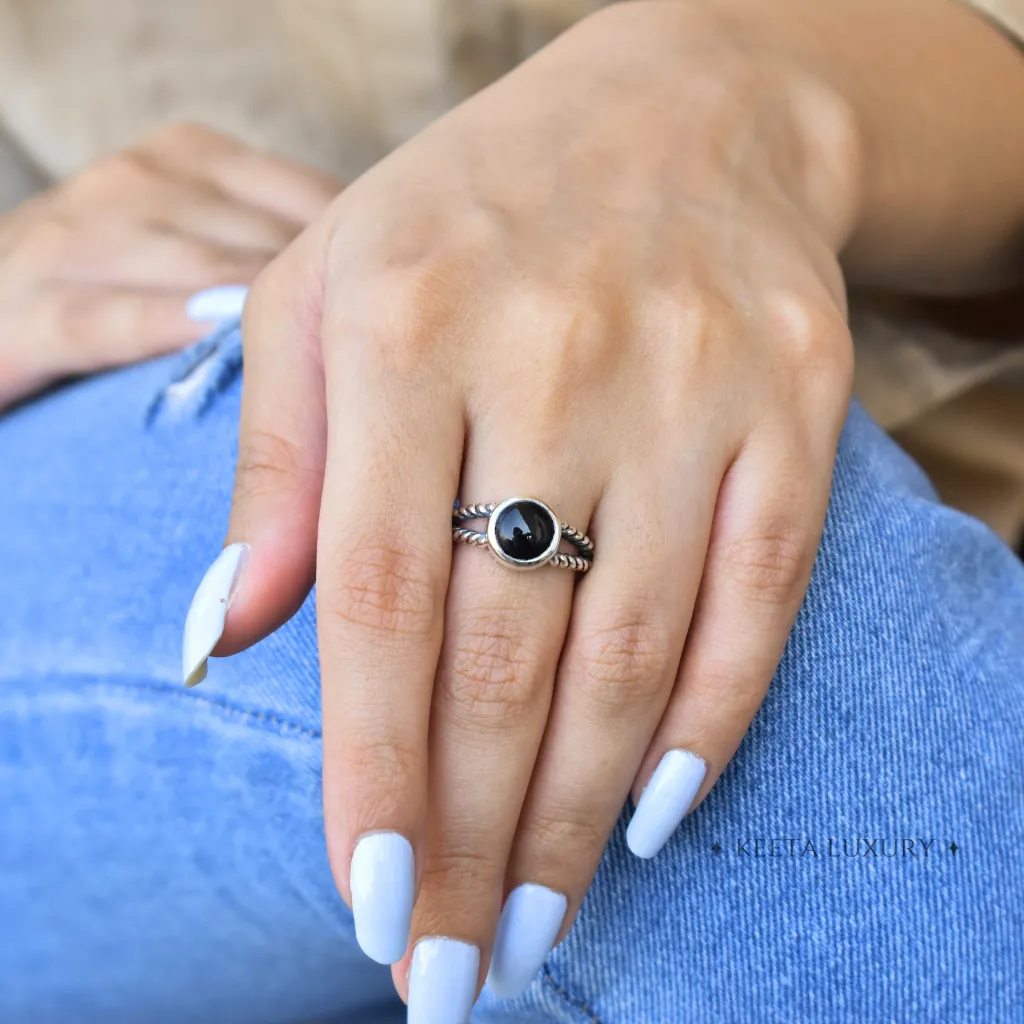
[(204, 371)]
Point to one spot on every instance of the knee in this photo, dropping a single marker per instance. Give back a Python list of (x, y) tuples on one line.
[(895, 713)]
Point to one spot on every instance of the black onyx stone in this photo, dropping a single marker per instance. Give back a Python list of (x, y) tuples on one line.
[(524, 530)]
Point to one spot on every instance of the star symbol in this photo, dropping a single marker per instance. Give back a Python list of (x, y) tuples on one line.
[(716, 849), (953, 848)]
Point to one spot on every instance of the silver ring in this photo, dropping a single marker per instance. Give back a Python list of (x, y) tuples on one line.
[(523, 533)]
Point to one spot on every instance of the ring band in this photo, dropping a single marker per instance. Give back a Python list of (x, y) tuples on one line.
[(523, 533)]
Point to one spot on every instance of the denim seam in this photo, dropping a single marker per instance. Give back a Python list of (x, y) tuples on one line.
[(574, 1004), (282, 725)]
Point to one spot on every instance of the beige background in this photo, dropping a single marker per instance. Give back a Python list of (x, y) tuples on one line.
[(339, 83)]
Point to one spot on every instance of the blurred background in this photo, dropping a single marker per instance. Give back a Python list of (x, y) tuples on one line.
[(339, 84)]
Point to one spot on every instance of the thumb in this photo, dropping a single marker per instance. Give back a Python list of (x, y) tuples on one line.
[(268, 564)]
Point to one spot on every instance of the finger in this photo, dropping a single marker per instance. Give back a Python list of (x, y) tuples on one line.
[(86, 329), (503, 635), (154, 258), (615, 677), (138, 187), (383, 564), (227, 223), (290, 190), (268, 565), (765, 535)]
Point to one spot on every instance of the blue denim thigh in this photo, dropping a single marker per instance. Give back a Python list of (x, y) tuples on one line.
[(162, 850), (862, 857)]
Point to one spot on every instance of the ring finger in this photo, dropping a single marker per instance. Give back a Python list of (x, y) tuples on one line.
[(503, 634)]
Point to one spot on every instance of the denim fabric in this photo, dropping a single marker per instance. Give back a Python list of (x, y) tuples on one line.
[(161, 849)]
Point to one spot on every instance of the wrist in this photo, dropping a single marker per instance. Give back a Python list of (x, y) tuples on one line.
[(738, 96), (932, 95)]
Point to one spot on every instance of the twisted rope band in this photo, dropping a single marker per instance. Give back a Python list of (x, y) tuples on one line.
[(580, 562)]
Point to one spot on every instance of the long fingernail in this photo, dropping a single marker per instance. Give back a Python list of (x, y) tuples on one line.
[(665, 801), (205, 621), (383, 881), (218, 304), (527, 929), (442, 981)]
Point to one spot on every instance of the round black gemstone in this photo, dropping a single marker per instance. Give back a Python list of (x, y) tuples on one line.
[(524, 530)]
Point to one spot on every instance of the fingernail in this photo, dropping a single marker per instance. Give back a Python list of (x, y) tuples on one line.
[(218, 304), (382, 880), (665, 801), (527, 929), (442, 981), (205, 620)]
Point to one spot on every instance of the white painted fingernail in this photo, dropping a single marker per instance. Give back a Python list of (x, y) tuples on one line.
[(218, 304), (383, 881), (665, 801), (442, 981), (205, 620), (527, 929)]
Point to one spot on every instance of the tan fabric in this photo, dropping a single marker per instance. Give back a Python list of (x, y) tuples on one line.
[(972, 449), (1009, 14), (339, 83), (913, 357), (335, 82)]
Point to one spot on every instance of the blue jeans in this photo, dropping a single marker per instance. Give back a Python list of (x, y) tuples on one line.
[(162, 851)]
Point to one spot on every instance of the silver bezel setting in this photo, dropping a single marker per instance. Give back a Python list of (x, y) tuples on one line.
[(517, 563)]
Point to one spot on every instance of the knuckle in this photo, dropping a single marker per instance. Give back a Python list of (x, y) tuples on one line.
[(405, 314), (269, 464), (381, 586), (460, 868), (112, 178), (624, 663), (555, 832), (493, 673), (389, 762), (770, 564), (815, 337), (409, 333)]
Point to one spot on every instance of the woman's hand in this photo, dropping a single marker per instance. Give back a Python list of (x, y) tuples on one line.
[(609, 281), (99, 270)]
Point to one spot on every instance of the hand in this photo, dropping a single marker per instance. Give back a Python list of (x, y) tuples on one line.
[(627, 302), (98, 271)]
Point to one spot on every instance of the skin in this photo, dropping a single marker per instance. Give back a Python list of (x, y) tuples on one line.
[(616, 280), (96, 272), (628, 301)]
